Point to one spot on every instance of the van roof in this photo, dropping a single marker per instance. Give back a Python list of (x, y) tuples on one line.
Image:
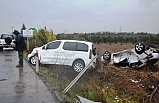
[(75, 41)]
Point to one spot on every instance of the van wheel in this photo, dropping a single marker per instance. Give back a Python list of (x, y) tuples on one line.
[(78, 65), (32, 60)]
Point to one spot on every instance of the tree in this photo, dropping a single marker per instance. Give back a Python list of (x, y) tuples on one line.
[(110, 39), (93, 38), (99, 39), (41, 37), (23, 28), (120, 39), (104, 39)]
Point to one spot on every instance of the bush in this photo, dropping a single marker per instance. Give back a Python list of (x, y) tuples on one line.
[(41, 37)]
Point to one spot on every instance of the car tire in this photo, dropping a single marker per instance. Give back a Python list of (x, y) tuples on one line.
[(32, 60), (8, 40), (139, 48), (107, 55), (78, 65)]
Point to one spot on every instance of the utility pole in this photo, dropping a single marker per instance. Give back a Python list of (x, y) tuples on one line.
[(12, 28)]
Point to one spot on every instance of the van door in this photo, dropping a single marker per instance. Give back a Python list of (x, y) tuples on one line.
[(67, 53), (50, 53)]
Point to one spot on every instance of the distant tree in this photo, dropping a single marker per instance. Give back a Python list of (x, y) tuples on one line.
[(120, 39), (110, 39), (71, 36), (152, 37), (104, 39), (93, 38), (115, 39), (99, 39), (23, 28), (136, 39), (126, 39)]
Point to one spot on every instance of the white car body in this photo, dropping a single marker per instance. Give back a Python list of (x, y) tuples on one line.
[(62, 56), (131, 59), (6, 41)]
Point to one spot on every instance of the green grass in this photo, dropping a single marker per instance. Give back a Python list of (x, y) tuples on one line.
[(25, 54)]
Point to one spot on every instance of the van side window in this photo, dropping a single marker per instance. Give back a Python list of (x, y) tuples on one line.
[(82, 47), (70, 46), (53, 45)]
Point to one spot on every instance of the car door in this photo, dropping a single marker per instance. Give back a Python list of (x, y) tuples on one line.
[(50, 52)]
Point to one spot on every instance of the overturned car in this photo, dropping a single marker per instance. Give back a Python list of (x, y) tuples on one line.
[(136, 57)]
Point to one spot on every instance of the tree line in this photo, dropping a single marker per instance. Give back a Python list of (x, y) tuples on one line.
[(43, 36), (110, 37)]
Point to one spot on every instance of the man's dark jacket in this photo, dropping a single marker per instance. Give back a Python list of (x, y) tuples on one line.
[(19, 41)]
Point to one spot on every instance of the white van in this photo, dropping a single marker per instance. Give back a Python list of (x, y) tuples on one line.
[(77, 54)]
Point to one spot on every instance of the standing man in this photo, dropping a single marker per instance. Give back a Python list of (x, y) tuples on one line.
[(19, 46)]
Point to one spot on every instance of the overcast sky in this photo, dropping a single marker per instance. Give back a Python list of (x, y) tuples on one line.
[(80, 16)]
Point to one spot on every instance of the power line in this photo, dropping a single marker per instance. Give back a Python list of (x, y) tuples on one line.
[(24, 11), (12, 28), (43, 10), (32, 13), (39, 8), (31, 10)]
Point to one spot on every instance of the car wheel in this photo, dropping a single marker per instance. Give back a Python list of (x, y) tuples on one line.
[(8, 40), (78, 65), (139, 48), (32, 60), (106, 55)]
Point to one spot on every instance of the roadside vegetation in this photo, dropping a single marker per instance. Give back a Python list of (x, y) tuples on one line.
[(93, 85), (41, 37), (96, 84)]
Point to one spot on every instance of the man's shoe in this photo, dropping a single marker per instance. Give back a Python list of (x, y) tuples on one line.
[(18, 66)]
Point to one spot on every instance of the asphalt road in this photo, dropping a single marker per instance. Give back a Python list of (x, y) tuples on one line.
[(21, 85)]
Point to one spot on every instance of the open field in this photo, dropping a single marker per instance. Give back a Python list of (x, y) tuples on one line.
[(106, 83), (133, 81)]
